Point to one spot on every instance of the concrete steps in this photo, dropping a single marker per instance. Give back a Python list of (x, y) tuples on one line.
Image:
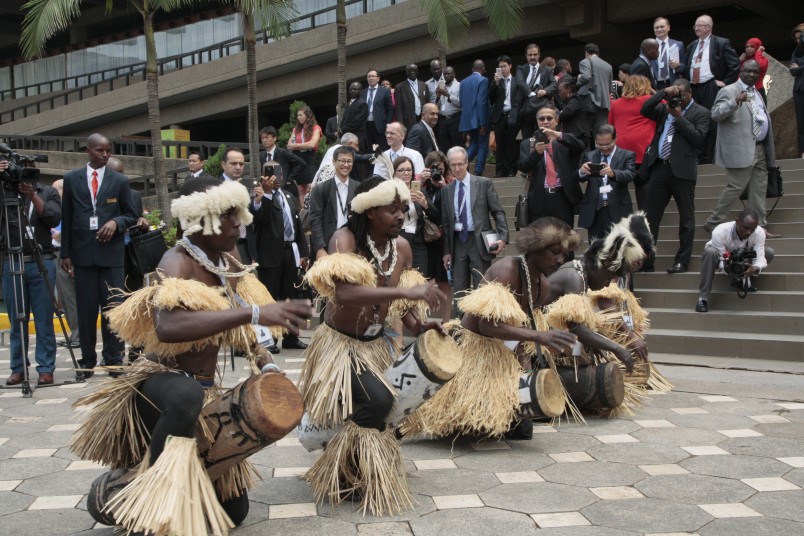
[(768, 324)]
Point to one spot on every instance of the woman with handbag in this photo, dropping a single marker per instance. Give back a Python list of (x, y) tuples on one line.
[(432, 184), (422, 220)]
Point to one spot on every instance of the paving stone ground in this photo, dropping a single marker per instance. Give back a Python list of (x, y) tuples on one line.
[(721, 455)]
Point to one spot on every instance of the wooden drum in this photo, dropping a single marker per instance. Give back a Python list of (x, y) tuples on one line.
[(540, 395), (597, 386)]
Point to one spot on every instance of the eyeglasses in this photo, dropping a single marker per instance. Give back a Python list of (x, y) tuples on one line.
[(701, 26), (405, 171), (546, 118), (345, 162), (454, 165), (604, 145)]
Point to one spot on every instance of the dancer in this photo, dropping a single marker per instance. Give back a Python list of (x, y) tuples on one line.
[(205, 299), (483, 397), (343, 377)]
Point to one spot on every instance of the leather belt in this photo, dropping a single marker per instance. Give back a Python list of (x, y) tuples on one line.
[(450, 116), (45, 257), (288, 244), (605, 203), (553, 190), (665, 161)]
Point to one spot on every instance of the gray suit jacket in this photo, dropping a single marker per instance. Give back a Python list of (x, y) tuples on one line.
[(595, 79), (485, 204), (735, 138)]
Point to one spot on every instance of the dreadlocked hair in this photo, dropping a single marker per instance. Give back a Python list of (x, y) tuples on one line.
[(546, 232), (359, 223)]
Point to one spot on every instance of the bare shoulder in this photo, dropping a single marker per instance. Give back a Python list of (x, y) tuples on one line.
[(176, 263), (343, 241), (404, 252), (505, 271)]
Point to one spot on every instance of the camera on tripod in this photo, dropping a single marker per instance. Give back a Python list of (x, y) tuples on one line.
[(19, 168)]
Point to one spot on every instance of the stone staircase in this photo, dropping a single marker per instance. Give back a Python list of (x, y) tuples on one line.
[(768, 324)]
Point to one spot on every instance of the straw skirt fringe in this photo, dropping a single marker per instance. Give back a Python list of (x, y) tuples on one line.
[(364, 462), (326, 377), (482, 398)]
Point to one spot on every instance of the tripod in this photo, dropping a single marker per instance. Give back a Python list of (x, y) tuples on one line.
[(15, 246)]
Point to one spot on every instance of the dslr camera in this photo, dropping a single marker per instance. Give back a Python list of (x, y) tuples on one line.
[(674, 101), (435, 174), (19, 168)]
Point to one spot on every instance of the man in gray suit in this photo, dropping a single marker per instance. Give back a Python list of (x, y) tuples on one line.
[(744, 145), (595, 80), (466, 206)]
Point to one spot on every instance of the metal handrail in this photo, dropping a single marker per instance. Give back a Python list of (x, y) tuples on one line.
[(177, 62)]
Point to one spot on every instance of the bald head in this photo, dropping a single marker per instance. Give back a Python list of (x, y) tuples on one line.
[(59, 186), (99, 149), (114, 164), (478, 66), (650, 48)]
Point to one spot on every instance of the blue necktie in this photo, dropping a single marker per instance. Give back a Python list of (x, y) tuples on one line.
[(463, 234), (285, 218)]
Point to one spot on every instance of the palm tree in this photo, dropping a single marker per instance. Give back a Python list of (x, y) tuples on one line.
[(340, 23), (275, 17), (447, 21), (45, 18)]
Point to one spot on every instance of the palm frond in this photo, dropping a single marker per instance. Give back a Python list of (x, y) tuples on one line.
[(446, 19), (274, 16), (504, 16), (43, 19)]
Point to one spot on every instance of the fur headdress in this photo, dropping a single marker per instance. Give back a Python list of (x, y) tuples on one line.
[(201, 211), (381, 195), (622, 244), (544, 233)]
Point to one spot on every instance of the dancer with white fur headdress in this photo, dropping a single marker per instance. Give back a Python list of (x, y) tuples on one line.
[(145, 425), (367, 280)]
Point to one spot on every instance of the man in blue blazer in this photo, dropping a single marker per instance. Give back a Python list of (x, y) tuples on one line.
[(96, 211), (669, 66), (474, 93)]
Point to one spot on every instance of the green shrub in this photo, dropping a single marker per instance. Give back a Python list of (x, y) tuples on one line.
[(214, 167)]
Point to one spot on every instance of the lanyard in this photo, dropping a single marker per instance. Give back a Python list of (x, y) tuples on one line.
[(342, 205)]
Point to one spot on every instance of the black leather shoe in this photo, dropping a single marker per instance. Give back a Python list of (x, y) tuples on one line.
[(294, 345), (274, 349), (702, 306), (85, 374), (677, 268)]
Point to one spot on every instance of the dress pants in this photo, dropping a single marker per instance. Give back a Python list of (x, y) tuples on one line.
[(507, 153), (31, 289), (65, 284), (96, 284), (478, 146), (755, 177), (662, 186), (448, 135), (704, 94), (600, 224), (375, 138), (468, 266), (280, 281), (553, 203), (710, 259)]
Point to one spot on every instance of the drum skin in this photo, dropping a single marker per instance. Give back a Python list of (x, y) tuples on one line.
[(598, 386)]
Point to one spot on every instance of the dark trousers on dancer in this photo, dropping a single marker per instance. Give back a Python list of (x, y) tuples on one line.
[(169, 403)]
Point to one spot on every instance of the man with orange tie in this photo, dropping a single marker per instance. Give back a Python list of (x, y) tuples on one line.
[(96, 211), (551, 158)]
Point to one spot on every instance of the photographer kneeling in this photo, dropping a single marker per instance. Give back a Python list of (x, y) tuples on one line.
[(42, 206), (736, 248)]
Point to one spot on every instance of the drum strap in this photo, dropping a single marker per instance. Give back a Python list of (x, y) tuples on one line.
[(539, 362)]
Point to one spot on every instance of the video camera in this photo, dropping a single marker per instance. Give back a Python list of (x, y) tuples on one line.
[(736, 263), (19, 169)]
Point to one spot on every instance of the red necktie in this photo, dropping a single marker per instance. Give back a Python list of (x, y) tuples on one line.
[(94, 185), (550, 177), (696, 71)]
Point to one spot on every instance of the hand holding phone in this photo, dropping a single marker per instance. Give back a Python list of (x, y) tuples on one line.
[(595, 168), (415, 186)]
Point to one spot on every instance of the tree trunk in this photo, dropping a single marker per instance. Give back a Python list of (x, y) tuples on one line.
[(251, 91), (442, 55), (340, 21), (154, 123)]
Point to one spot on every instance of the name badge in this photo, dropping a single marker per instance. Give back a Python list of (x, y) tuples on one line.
[(606, 189), (264, 337), (458, 227), (670, 138), (661, 65), (696, 65), (628, 321), (93, 223), (373, 330), (112, 200)]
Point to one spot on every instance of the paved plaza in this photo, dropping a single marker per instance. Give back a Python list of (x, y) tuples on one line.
[(721, 455)]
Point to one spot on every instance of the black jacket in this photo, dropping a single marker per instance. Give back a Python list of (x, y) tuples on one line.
[(51, 215), (269, 228)]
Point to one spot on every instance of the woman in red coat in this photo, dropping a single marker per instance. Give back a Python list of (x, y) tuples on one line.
[(755, 51), (634, 130)]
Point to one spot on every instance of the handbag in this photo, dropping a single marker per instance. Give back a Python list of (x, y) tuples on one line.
[(521, 209), (775, 188), (146, 250), (431, 231)]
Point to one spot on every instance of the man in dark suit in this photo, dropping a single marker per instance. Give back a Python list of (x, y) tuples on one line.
[(380, 110), (669, 66), (195, 163), (331, 129), (649, 51), (670, 164), (329, 202), (293, 166), (606, 200), (573, 119), (355, 115), (234, 163), (96, 211), (540, 84), (467, 205), (410, 95), (712, 64), (421, 137), (281, 244), (554, 189), (506, 94), (474, 93)]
